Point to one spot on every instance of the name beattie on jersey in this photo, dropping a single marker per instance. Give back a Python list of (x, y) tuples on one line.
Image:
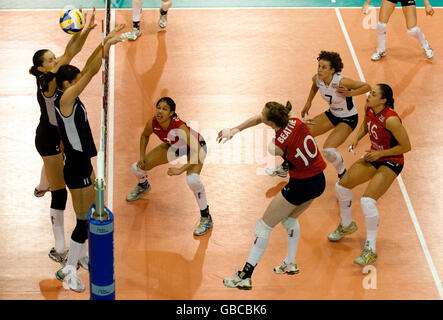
[(287, 131)]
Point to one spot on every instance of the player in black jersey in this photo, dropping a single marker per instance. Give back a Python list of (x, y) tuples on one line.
[(47, 138), (79, 148)]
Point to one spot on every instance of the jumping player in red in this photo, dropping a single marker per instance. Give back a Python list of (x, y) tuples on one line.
[(178, 140), (294, 142), (380, 166)]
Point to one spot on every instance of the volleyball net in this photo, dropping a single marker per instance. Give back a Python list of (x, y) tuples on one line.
[(100, 218)]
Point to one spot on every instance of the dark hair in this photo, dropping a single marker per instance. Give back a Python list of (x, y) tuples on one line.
[(169, 102), (43, 77), (386, 93), (37, 61), (66, 72), (333, 58), (278, 113)]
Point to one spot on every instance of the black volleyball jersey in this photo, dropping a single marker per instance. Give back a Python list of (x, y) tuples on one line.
[(74, 129), (47, 110)]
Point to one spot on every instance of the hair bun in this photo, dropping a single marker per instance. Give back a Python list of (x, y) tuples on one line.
[(288, 107)]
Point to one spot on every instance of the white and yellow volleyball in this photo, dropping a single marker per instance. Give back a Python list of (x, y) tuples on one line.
[(72, 21)]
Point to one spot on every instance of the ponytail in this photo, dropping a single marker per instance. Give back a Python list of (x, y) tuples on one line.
[(34, 71), (288, 107)]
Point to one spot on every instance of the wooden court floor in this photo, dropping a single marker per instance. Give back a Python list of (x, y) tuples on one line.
[(222, 66)]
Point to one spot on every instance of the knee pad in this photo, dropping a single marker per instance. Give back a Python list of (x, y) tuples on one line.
[(58, 199), (343, 194), (380, 28), (369, 207), (262, 230), (330, 154), (194, 183), (139, 173), (414, 31), (80, 233), (291, 223)]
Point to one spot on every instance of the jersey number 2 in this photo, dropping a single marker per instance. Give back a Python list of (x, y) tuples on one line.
[(310, 154)]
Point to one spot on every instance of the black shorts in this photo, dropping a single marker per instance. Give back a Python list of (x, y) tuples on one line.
[(396, 167), (298, 191), (350, 121), (47, 140), (182, 152), (404, 3), (77, 171)]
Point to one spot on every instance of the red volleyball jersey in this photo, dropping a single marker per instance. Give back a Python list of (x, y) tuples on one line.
[(382, 138), (300, 149), (170, 135)]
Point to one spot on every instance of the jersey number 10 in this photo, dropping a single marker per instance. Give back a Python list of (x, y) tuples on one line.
[(310, 154)]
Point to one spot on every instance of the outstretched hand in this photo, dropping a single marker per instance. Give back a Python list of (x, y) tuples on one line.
[(114, 36), (226, 135), (115, 32), (92, 23)]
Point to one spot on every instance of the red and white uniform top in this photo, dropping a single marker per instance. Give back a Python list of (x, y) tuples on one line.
[(382, 138), (300, 149), (170, 135)]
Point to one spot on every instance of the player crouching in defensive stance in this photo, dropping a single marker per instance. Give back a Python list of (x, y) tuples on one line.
[(380, 166), (307, 182), (178, 140)]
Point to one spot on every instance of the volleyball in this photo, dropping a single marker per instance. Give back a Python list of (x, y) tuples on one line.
[(72, 21)]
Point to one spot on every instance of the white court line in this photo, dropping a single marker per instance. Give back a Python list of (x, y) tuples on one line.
[(399, 179), (110, 156)]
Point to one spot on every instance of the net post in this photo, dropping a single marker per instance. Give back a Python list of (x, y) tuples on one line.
[(100, 218)]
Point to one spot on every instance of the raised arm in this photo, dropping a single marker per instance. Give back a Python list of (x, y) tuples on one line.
[(76, 43), (92, 67)]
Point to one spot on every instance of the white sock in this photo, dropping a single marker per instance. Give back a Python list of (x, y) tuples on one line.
[(137, 10), (344, 197), (139, 173), (257, 250), (74, 253), (381, 36), (166, 5), (370, 211), (58, 228), (83, 250), (418, 35), (292, 237), (44, 184), (196, 186), (335, 158)]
